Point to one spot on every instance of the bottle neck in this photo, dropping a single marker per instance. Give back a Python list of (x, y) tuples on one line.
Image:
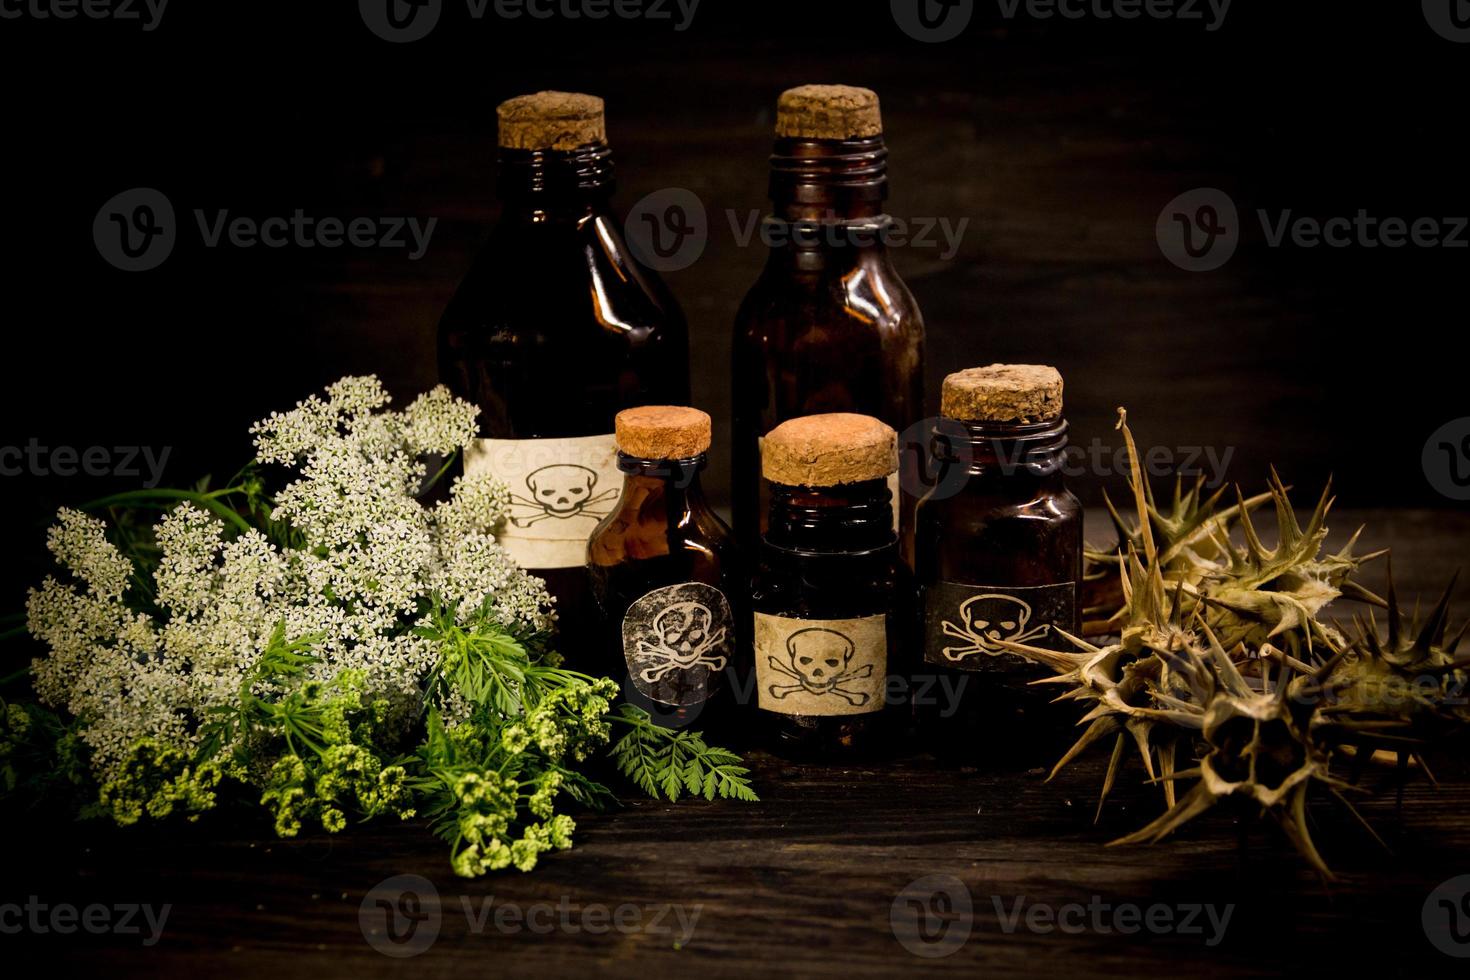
[(668, 485), (540, 185), (828, 181), (1033, 450), (853, 518)]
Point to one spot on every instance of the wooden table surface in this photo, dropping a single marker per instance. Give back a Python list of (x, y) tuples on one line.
[(809, 881)]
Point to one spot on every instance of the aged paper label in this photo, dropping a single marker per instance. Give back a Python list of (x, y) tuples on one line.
[(821, 666), (559, 490)]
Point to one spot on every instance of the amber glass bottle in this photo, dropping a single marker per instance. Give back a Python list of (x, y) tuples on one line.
[(998, 557), (666, 577), (553, 331), (832, 602), (829, 326)]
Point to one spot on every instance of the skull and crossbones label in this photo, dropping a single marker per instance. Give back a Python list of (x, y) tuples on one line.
[(677, 641), (965, 625), (560, 489), (821, 667)]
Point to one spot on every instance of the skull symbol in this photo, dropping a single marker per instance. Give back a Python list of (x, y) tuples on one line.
[(987, 619), (819, 656), (684, 629), (820, 663), (562, 491)]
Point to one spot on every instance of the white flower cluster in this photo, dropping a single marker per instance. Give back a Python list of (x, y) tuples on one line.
[(366, 555)]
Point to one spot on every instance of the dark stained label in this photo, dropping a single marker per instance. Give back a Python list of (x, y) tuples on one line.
[(962, 623), (677, 641)]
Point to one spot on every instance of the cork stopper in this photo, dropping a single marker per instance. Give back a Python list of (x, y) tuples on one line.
[(828, 112), (1003, 393), (551, 121), (827, 450), (662, 432)]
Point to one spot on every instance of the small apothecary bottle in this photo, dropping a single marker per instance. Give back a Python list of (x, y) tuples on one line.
[(833, 610), (998, 555), (665, 575)]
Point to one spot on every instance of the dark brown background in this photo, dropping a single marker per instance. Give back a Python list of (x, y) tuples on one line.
[(1061, 142)]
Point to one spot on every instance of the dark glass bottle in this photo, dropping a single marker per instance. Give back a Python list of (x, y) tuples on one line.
[(554, 330), (829, 326), (833, 609), (998, 557), (667, 579)]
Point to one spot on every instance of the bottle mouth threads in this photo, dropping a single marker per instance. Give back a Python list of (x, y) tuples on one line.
[(586, 168), (829, 178)]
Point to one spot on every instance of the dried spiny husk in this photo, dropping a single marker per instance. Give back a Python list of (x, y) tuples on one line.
[(1252, 594), (1258, 751), (1397, 692)]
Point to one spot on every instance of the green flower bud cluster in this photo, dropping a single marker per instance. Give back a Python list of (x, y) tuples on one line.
[(159, 780)]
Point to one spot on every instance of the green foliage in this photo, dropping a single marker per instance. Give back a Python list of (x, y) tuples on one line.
[(664, 762)]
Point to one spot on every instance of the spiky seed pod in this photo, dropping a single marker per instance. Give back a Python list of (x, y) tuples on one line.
[(1401, 690)]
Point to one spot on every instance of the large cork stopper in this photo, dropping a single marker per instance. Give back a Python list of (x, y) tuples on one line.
[(1003, 393), (828, 112), (827, 450), (662, 432), (551, 121)]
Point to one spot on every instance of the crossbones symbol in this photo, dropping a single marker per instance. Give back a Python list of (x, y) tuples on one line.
[(563, 491), (682, 639), (988, 619), (819, 660)]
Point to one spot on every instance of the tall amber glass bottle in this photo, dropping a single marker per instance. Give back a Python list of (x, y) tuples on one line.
[(666, 577), (554, 330), (998, 558), (833, 623), (829, 326)]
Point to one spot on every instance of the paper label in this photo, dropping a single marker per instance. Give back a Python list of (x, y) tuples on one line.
[(677, 641), (559, 490), (963, 622), (821, 666)]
